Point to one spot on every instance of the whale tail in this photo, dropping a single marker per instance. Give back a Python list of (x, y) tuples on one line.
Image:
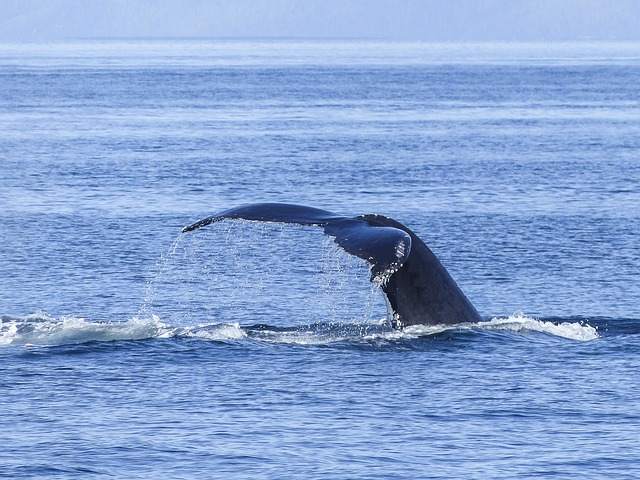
[(417, 288)]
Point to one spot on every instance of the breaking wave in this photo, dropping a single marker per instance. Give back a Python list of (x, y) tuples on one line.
[(517, 323), (43, 330)]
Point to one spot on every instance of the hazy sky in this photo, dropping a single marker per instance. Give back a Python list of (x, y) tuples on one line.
[(433, 20)]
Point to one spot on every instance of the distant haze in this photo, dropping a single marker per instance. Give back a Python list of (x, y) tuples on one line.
[(429, 20)]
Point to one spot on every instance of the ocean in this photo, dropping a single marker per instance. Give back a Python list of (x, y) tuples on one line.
[(253, 350)]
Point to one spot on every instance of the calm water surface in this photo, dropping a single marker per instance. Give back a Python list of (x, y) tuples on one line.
[(129, 350)]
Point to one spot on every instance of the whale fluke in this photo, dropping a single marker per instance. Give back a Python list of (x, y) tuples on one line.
[(417, 288)]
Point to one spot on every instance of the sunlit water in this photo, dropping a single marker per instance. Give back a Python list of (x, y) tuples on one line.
[(245, 350)]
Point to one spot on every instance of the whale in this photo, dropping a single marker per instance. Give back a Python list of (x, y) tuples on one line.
[(417, 288)]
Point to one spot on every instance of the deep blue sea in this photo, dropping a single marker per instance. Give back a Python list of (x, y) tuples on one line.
[(131, 351)]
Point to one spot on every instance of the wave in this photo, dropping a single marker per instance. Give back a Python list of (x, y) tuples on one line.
[(40, 329), (519, 323)]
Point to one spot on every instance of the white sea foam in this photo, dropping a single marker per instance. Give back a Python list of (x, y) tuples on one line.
[(214, 332), (45, 330), (415, 331), (521, 323), (518, 323), (42, 329)]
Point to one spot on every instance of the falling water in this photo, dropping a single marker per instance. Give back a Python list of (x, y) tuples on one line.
[(247, 272)]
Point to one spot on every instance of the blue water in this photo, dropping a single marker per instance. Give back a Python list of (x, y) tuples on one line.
[(242, 350)]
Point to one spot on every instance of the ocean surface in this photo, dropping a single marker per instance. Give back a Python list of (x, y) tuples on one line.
[(244, 350)]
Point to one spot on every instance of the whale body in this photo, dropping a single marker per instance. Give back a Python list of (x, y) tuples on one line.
[(417, 288)]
